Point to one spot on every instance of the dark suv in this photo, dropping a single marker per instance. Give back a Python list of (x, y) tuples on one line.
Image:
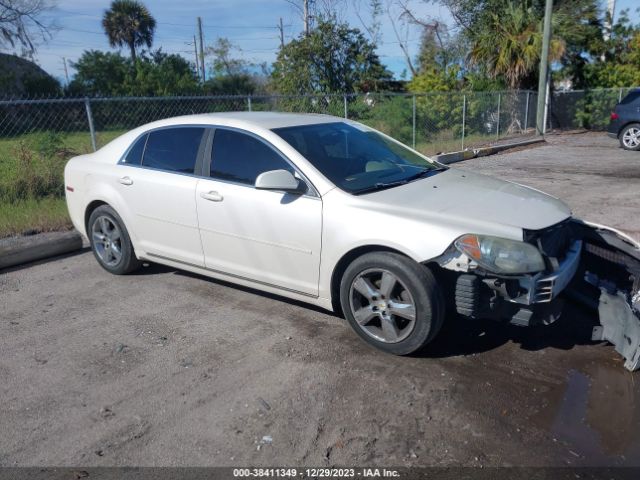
[(625, 121)]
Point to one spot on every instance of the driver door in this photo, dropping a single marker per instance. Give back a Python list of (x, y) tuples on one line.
[(269, 237)]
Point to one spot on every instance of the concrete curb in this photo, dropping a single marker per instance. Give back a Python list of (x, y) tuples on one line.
[(18, 250), (454, 157)]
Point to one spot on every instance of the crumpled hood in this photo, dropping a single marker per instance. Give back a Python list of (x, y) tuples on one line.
[(464, 196)]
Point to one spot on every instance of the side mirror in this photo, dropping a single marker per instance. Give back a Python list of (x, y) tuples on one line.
[(280, 180)]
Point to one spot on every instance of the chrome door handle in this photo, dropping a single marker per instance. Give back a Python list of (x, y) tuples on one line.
[(212, 196), (125, 181)]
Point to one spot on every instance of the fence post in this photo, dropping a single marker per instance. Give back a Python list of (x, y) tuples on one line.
[(526, 112), (249, 103), (414, 121), (498, 123), (346, 111), (464, 117), (620, 95), (92, 131)]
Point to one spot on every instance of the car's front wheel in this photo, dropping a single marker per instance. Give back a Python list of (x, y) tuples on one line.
[(630, 137), (392, 302), (110, 241)]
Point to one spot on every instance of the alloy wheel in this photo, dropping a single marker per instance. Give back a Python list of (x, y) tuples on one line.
[(107, 240), (631, 137), (382, 305)]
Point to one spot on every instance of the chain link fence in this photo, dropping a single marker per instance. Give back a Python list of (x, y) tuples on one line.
[(431, 122), (583, 109)]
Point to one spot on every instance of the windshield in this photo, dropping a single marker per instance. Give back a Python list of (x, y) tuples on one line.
[(357, 159)]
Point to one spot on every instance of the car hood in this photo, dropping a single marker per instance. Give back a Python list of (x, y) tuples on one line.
[(465, 197)]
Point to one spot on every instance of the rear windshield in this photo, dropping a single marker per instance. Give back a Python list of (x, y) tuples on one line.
[(631, 97)]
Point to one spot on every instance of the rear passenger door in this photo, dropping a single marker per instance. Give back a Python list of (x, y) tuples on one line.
[(270, 237), (157, 179)]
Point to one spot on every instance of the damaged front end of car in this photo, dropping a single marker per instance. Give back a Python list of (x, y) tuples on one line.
[(528, 282)]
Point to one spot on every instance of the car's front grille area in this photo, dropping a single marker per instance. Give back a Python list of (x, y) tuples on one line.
[(543, 290), (553, 241)]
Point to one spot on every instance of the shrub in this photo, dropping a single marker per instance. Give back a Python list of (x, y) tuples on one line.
[(39, 169)]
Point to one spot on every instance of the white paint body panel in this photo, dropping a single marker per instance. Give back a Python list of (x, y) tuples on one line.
[(163, 208), (270, 237), (272, 242)]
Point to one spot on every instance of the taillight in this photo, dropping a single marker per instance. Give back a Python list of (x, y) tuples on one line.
[(70, 189), (614, 116)]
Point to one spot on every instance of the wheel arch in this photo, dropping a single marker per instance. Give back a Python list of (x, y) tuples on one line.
[(89, 210), (626, 124), (345, 261)]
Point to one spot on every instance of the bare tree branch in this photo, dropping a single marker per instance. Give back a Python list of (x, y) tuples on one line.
[(402, 42), (21, 24)]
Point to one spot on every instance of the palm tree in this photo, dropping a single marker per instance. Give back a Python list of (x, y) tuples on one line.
[(128, 22), (511, 47)]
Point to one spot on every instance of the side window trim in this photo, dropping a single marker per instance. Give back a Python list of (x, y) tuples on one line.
[(144, 149), (201, 157), (313, 192), (123, 159)]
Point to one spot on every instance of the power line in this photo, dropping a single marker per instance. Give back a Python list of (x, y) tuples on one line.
[(269, 27)]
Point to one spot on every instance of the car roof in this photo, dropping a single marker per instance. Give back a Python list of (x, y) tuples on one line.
[(268, 120)]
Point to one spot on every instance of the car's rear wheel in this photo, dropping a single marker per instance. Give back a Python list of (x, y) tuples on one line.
[(392, 302), (630, 137), (110, 241)]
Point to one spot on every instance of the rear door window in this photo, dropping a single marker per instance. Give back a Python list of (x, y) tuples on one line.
[(240, 158), (134, 155), (173, 149)]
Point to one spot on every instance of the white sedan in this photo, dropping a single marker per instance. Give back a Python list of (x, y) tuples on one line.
[(331, 212)]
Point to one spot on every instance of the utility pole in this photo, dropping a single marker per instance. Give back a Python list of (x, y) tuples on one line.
[(544, 69), (66, 72), (195, 51), (201, 50), (608, 22), (305, 14), (281, 28)]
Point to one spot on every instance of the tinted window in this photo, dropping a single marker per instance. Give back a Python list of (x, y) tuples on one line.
[(241, 158), (174, 149), (631, 97), (134, 155)]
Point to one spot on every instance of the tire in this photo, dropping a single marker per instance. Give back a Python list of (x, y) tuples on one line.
[(110, 242), (630, 137), (379, 309)]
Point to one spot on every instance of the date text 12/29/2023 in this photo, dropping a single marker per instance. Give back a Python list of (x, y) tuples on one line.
[(315, 473)]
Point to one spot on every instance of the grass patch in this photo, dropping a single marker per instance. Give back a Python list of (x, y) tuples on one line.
[(33, 216), (32, 182)]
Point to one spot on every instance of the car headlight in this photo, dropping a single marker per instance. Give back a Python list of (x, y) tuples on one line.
[(500, 255)]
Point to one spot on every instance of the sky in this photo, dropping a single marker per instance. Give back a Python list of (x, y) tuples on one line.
[(251, 25)]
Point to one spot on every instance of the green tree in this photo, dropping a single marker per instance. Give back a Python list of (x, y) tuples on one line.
[(505, 36), (510, 45), (332, 58), (618, 64), (128, 22), (99, 73), (108, 73), (229, 75), (160, 74)]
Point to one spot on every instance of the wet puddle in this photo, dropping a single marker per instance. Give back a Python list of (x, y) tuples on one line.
[(596, 414)]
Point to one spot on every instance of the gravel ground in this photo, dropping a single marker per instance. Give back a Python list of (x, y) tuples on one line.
[(167, 368)]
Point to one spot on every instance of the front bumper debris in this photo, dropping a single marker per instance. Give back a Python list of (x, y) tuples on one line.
[(596, 265), (620, 326), (611, 267)]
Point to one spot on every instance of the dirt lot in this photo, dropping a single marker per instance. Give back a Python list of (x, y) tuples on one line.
[(169, 368)]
